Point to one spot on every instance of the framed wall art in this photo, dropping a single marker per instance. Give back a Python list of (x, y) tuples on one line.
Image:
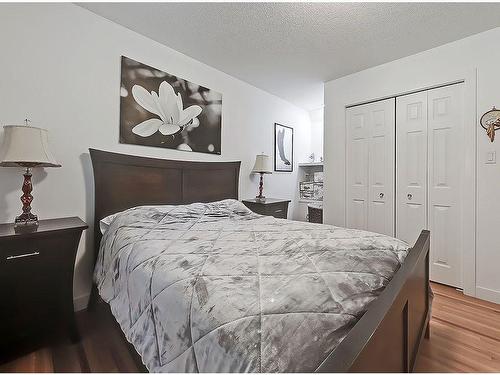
[(283, 148), (159, 109)]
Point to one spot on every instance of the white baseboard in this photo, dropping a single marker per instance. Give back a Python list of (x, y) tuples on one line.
[(488, 294), (81, 302)]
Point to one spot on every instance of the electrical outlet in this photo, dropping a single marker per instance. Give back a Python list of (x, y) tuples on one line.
[(491, 157)]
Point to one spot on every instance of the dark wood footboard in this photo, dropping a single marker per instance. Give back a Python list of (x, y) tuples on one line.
[(388, 336)]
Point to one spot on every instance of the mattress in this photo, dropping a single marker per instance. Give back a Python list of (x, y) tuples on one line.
[(213, 287)]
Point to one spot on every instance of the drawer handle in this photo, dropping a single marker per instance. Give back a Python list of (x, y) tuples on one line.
[(381, 195), (23, 255), (278, 211), (409, 196)]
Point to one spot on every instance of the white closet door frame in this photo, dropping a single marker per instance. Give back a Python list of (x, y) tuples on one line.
[(468, 220), (468, 183)]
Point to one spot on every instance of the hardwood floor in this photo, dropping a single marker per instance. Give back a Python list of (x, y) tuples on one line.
[(465, 337), (100, 349), (465, 334)]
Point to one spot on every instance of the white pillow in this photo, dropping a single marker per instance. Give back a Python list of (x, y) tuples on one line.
[(106, 222)]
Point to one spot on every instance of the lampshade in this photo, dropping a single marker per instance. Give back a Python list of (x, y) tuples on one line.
[(262, 164), (26, 146)]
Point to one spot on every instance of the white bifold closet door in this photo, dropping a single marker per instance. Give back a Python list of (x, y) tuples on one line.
[(446, 154), (429, 159), (411, 166), (370, 166)]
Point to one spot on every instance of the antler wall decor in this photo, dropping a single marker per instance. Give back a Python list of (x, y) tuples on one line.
[(492, 128), (490, 122)]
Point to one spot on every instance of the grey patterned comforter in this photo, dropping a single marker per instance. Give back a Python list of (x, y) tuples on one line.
[(216, 288)]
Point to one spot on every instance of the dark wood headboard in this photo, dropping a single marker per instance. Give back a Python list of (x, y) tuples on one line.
[(124, 181)]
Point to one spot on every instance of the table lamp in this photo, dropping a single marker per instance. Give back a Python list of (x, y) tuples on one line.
[(263, 166), (26, 147)]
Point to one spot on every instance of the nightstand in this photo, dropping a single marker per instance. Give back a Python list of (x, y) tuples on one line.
[(271, 207), (36, 280)]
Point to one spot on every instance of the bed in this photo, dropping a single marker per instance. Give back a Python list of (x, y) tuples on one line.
[(191, 209)]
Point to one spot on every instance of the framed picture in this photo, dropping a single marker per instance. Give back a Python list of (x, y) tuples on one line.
[(283, 148), (159, 109)]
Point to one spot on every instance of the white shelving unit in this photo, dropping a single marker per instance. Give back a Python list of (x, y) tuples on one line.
[(315, 164), (310, 201), (304, 170)]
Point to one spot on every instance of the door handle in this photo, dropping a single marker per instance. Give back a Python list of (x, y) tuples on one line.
[(35, 253), (381, 195), (409, 196)]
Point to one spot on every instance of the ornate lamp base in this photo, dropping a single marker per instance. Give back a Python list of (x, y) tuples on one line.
[(26, 226), (27, 220), (260, 197)]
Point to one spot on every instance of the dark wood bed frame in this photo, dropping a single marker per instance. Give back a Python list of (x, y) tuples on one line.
[(388, 336)]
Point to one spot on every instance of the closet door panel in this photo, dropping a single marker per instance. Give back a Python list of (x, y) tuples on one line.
[(445, 158), (381, 156), (356, 167), (411, 167), (370, 167)]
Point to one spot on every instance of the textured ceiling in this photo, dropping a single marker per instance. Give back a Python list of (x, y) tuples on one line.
[(290, 49)]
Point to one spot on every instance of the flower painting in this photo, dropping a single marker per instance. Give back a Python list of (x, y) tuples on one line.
[(283, 148), (161, 110)]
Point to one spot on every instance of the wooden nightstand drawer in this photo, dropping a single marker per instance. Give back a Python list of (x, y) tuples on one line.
[(271, 207), (278, 213), (21, 255), (15, 254), (40, 250)]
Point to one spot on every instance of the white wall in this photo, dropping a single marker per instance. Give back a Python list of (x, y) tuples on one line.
[(60, 67), (443, 64), (317, 129)]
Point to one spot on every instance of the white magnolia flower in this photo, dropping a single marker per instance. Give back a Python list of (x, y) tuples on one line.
[(166, 105)]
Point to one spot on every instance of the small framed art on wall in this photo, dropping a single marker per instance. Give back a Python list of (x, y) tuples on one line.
[(283, 148)]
